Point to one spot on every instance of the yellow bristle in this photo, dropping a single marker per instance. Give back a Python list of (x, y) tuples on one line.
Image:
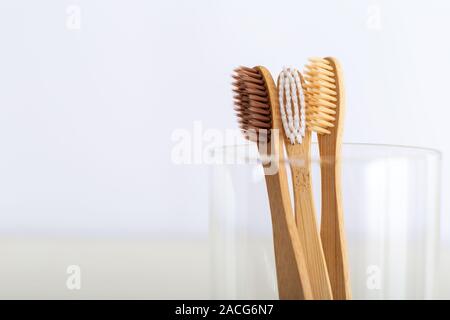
[(320, 95)]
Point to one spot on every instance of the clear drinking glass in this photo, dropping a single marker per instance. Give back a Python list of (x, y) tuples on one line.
[(391, 216)]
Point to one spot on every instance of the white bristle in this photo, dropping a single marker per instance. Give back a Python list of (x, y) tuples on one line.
[(292, 105)]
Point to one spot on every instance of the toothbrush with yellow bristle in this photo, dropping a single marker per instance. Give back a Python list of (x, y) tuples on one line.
[(256, 105), (325, 111), (297, 141)]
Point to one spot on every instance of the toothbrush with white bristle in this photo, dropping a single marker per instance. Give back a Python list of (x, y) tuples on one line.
[(298, 144)]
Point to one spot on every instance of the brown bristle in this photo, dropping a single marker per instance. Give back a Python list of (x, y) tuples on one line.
[(251, 102), (320, 95)]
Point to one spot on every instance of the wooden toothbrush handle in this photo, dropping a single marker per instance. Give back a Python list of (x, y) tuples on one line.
[(332, 228), (292, 276), (306, 221)]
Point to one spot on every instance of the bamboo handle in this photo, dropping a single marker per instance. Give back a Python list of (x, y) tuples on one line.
[(309, 234), (293, 282), (332, 229), (306, 220)]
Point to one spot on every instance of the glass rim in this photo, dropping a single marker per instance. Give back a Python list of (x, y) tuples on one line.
[(403, 150), (361, 144)]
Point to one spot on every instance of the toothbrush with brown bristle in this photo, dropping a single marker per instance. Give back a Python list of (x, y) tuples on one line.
[(257, 109), (297, 141), (326, 103)]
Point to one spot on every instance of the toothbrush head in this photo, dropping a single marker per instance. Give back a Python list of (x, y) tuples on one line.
[(322, 93), (292, 104), (252, 103)]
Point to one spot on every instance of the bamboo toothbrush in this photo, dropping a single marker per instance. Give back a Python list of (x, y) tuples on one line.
[(325, 91), (257, 110), (298, 144)]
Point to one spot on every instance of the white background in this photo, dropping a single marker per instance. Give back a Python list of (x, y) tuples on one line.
[(86, 116)]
